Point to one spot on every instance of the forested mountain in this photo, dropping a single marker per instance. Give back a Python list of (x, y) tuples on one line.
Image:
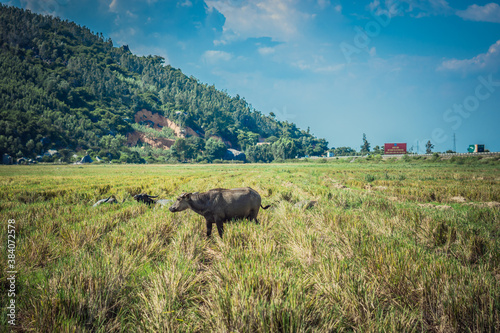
[(65, 87)]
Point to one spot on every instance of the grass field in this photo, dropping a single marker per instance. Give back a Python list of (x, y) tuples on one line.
[(390, 246)]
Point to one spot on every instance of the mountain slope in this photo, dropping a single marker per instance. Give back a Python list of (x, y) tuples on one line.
[(63, 86)]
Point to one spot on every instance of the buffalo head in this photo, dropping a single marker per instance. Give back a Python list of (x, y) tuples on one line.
[(182, 203)]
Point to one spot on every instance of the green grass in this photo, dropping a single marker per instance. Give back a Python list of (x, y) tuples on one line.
[(370, 256)]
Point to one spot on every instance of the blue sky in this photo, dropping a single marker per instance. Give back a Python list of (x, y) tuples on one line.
[(399, 71)]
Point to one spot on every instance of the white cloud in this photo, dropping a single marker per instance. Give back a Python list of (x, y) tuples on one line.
[(278, 19), (186, 3), (424, 8), (130, 14), (318, 65), (113, 6), (486, 13), (329, 68), (414, 8), (373, 51), (338, 8), (323, 3), (121, 36), (214, 56), (390, 8), (485, 61), (266, 50)]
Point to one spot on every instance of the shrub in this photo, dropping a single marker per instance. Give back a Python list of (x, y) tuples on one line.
[(369, 178)]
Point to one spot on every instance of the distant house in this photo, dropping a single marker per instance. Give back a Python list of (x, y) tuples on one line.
[(234, 155), (330, 154), (22, 160), (7, 159)]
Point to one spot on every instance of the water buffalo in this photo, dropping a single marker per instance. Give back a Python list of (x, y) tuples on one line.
[(221, 205), (110, 200), (145, 198)]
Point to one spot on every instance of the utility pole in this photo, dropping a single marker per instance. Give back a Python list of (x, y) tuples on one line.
[(454, 143)]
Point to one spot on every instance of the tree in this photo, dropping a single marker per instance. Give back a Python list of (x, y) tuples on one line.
[(259, 153), (65, 155), (30, 145), (428, 147), (271, 139), (378, 150), (215, 149), (284, 148), (320, 147), (344, 151), (105, 141), (365, 148), (118, 142), (182, 150), (246, 139)]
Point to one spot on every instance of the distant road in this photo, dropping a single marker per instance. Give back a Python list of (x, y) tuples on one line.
[(425, 155)]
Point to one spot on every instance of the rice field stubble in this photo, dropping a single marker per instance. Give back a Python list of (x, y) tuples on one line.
[(387, 247)]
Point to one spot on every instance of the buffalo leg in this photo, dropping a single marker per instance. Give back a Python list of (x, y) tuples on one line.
[(220, 227), (254, 216), (209, 228)]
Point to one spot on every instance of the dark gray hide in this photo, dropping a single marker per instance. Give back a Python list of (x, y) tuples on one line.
[(221, 205), (145, 198)]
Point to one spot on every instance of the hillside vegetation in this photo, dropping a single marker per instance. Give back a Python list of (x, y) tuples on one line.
[(389, 247), (63, 86)]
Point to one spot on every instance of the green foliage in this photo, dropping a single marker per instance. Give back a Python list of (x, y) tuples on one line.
[(152, 133), (344, 151), (182, 150), (246, 139), (214, 149), (429, 147), (377, 150), (284, 148), (259, 153), (369, 178), (365, 148), (63, 86)]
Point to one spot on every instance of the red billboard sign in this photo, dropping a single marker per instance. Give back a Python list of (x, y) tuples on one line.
[(394, 148)]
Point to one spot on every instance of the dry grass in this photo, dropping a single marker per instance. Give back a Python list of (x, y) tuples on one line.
[(376, 253)]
